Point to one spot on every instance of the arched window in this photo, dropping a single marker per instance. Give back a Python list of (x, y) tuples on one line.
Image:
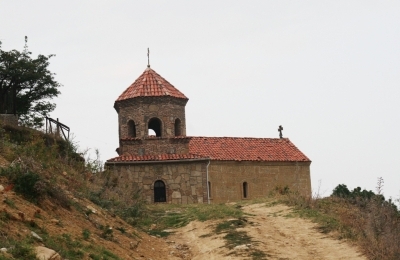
[(159, 192), (131, 129), (245, 190), (178, 127), (155, 125)]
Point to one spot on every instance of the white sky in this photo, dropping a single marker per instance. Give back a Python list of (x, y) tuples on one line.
[(327, 71)]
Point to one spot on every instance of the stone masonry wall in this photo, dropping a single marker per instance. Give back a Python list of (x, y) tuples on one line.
[(142, 109), (186, 182), (227, 177), (154, 146)]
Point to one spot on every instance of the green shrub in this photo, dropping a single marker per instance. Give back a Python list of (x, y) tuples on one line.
[(26, 183), (23, 251), (341, 191), (107, 233), (86, 234)]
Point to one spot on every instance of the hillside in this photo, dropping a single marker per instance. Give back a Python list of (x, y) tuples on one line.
[(45, 190), (56, 202)]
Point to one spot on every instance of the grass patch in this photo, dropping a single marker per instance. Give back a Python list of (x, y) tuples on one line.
[(66, 246), (327, 223), (74, 249), (10, 203), (108, 255), (158, 233), (174, 216), (234, 237), (23, 251), (107, 233), (104, 255), (258, 255), (206, 235), (86, 234), (230, 225)]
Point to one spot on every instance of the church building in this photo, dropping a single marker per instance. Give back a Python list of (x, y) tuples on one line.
[(174, 167)]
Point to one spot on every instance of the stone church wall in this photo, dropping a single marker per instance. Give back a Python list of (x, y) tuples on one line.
[(142, 109), (155, 146), (227, 178), (186, 182)]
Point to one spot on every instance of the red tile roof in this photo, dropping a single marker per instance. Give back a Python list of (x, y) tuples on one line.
[(160, 157), (150, 84), (246, 149), (230, 149)]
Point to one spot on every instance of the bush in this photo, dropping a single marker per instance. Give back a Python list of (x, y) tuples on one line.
[(341, 191), (26, 183), (107, 233), (86, 234), (32, 186), (23, 251)]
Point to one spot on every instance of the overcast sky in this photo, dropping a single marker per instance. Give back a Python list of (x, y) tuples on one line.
[(327, 71)]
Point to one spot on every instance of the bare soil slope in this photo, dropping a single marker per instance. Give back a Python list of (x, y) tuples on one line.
[(123, 240), (273, 230)]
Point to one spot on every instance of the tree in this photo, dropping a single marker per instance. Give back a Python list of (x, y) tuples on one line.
[(26, 86)]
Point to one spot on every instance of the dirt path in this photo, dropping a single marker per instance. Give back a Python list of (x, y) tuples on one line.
[(272, 232)]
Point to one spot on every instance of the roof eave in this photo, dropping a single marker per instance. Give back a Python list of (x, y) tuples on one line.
[(155, 161)]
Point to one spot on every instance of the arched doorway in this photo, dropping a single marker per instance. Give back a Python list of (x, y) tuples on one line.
[(159, 192)]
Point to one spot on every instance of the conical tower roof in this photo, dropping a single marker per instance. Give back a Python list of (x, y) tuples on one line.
[(150, 84)]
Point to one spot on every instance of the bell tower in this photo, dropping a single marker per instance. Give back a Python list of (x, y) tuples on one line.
[(151, 103)]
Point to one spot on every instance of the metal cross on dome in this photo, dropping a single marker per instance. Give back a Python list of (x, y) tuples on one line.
[(280, 129), (148, 58)]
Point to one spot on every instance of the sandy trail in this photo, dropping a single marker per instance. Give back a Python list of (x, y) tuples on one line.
[(275, 234)]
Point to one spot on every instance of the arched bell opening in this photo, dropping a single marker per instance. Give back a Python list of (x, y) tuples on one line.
[(155, 125)]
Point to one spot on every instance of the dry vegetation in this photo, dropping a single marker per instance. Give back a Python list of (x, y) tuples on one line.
[(362, 217), (49, 190), (66, 199)]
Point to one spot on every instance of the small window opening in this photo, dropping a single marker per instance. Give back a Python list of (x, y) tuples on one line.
[(155, 125), (209, 189), (131, 129), (178, 127), (245, 191)]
